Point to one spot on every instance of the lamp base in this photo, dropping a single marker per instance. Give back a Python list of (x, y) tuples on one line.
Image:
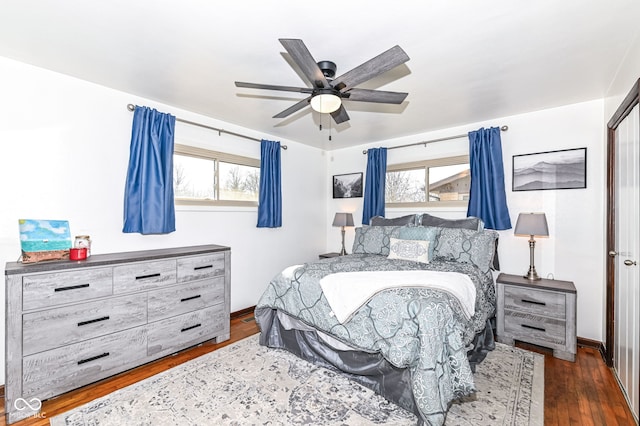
[(343, 251), (532, 275)]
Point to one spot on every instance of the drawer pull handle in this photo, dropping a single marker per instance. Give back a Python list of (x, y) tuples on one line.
[(533, 328), (81, 323), (197, 268), (533, 302), (142, 277), (93, 358), (190, 328), (190, 298), (71, 287)]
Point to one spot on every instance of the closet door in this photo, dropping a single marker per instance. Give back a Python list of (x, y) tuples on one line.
[(627, 258)]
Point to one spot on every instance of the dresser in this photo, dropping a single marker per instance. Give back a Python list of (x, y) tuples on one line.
[(71, 323), (541, 312)]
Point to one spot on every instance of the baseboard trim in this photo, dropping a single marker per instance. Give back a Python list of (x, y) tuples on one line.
[(243, 312), (593, 344)]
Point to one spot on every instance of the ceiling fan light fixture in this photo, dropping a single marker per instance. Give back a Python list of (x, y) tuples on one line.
[(326, 103)]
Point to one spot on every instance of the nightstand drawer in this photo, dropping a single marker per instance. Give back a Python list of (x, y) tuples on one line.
[(536, 302), (534, 329)]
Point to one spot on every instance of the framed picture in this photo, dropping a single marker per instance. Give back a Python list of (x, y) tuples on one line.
[(564, 169), (347, 186)]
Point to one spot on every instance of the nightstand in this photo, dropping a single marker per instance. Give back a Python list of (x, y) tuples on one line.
[(540, 312), (328, 255)]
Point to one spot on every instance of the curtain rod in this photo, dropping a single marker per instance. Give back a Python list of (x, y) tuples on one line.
[(132, 107), (503, 128)]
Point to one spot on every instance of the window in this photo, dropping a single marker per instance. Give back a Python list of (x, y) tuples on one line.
[(444, 181), (204, 177)]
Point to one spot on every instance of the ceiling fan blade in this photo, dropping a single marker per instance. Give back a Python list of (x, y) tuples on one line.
[(301, 55), (372, 68), (295, 107), (380, 96), (272, 87), (340, 115)]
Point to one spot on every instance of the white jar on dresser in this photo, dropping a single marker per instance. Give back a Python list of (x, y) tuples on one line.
[(70, 323)]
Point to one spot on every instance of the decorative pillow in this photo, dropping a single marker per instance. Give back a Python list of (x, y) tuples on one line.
[(473, 223), (424, 233), (464, 245), (409, 219), (374, 239), (415, 250)]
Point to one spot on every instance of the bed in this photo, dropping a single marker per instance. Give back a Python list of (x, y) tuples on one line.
[(408, 314)]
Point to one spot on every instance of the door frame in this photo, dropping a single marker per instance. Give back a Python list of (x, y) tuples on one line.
[(625, 108)]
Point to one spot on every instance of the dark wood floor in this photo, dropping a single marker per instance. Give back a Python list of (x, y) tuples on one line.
[(580, 393)]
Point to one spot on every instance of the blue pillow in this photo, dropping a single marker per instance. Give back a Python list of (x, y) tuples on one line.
[(424, 233)]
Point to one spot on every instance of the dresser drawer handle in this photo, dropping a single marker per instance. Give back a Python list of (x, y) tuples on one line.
[(533, 328), (190, 298), (533, 302), (81, 323), (142, 277), (93, 358), (71, 287), (197, 268), (190, 328)]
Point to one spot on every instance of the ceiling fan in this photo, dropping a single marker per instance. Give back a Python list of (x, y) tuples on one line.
[(326, 92)]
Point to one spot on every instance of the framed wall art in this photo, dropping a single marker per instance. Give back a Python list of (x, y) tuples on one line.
[(563, 169), (347, 186)]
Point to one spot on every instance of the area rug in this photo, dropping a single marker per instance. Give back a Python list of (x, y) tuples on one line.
[(247, 384)]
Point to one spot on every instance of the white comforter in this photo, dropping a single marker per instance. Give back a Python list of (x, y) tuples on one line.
[(346, 292)]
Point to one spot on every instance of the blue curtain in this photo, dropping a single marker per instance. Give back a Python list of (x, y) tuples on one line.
[(270, 201), (487, 197), (148, 196), (374, 184)]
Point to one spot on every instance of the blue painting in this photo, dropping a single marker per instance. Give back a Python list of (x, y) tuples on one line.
[(44, 235)]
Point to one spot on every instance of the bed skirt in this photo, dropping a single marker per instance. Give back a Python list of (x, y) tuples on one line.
[(370, 369)]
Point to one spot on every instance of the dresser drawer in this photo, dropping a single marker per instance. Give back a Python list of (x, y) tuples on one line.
[(176, 333), (40, 291), (57, 327), (200, 267), (59, 370), (185, 298), (537, 302), (143, 276), (534, 329)]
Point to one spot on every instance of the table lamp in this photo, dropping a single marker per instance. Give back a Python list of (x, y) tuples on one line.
[(343, 219), (532, 225)]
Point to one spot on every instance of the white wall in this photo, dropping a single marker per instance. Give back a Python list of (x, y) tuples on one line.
[(574, 250), (64, 153)]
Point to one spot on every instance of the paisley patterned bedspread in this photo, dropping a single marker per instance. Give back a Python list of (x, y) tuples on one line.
[(422, 329)]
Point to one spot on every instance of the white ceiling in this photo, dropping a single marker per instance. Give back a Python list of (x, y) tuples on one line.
[(471, 60)]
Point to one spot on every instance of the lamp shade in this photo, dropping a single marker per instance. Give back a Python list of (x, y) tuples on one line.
[(326, 103), (532, 224), (343, 219)]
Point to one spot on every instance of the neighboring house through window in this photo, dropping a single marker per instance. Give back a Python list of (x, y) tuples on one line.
[(438, 182), (205, 177)]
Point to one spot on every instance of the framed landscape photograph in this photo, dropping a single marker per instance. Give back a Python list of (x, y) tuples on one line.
[(347, 186), (564, 169)]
